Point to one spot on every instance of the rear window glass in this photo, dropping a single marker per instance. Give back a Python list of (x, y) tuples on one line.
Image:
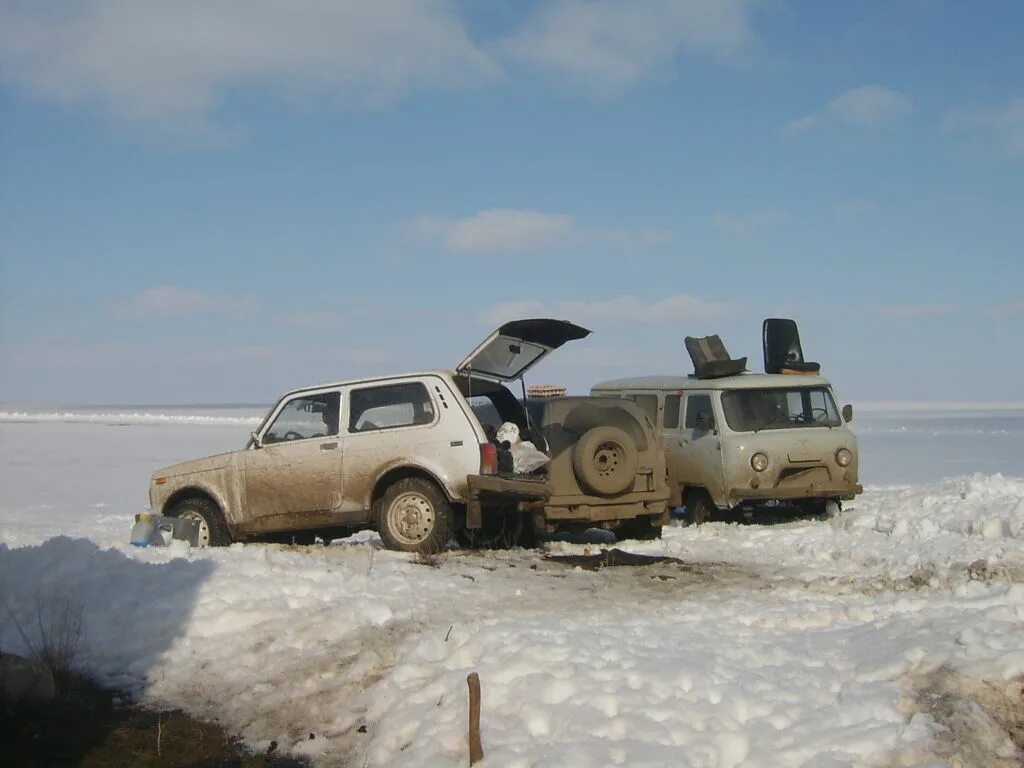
[(389, 406), (648, 404), (670, 418)]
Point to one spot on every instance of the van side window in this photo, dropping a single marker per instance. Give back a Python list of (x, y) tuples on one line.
[(670, 418), (648, 404), (696, 405)]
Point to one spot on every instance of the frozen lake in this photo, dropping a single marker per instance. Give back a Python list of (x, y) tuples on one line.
[(923, 446)]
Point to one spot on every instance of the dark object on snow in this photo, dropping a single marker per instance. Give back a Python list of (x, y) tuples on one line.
[(710, 358), (782, 351), (476, 750), (611, 557)]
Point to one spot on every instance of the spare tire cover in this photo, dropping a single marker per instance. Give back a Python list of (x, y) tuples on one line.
[(605, 461)]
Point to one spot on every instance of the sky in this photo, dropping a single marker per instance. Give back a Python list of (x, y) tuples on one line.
[(214, 202)]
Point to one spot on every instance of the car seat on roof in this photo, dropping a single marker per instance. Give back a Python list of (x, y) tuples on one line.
[(710, 358), (782, 351)]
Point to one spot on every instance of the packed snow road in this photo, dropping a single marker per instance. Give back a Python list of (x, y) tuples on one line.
[(891, 635)]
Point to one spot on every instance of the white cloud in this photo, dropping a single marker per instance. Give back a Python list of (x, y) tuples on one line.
[(170, 64), (849, 210), (313, 319), (511, 230), (906, 311), (630, 309), (1003, 125), (1009, 310), (175, 301), (869, 106), (504, 311), (650, 237), (609, 45), (499, 230), (743, 224), (618, 309)]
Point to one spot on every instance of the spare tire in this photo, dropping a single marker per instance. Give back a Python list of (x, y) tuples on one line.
[(605, 461)]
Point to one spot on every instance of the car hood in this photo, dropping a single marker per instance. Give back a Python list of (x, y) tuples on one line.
[(205, 464), (517, 346)]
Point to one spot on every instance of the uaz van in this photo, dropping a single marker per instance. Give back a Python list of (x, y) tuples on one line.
[(749, 442)]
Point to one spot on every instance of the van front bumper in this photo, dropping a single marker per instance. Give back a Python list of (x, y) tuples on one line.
[(824, 492)]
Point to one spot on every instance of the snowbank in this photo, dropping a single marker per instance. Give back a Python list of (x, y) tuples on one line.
[(809, 643), (786, 645)]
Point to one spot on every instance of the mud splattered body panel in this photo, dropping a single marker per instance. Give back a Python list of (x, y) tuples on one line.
[(293, 478), (712, 430)]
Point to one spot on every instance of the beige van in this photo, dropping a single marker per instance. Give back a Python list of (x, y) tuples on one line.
[(748, 442)]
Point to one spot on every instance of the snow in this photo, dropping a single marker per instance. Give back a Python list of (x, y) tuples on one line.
[(808, 643)]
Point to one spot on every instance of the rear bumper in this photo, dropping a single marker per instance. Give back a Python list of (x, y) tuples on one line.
[(554, 511), (524, 493), (596, 509), (845, 492), (537, 496)]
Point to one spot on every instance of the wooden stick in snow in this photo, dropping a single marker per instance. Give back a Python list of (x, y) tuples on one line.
[(476, 751)]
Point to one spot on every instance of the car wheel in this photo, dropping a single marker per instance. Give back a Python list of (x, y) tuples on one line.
[(213, 532), (700, 506), (414, 515), (605, 461), (640, 528)]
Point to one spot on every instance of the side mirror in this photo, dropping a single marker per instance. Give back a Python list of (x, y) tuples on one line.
[(847, 413), (255, 440)]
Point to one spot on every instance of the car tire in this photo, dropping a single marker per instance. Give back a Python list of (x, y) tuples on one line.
[(639, 528), (605, 461), (213, 531), (700, 506), (414, 515)]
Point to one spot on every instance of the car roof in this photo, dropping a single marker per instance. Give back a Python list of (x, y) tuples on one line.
[(564, 402), (370, 380), (741, 381)]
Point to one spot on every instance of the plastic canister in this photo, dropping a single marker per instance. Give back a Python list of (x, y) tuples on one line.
[(163, 533), (142, 531)]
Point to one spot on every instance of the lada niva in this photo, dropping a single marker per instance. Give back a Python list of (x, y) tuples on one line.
[(407, 456)]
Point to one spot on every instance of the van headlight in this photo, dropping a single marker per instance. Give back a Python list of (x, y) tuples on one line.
[(759, 462), (844, 457)]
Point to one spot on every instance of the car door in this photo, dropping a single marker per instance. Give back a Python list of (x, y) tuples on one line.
[(697, 449), (296, 465), (388, 424)]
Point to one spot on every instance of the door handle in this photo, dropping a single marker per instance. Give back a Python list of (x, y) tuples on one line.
[(328, 446)]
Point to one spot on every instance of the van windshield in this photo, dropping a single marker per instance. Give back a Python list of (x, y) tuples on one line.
[(751, 410)]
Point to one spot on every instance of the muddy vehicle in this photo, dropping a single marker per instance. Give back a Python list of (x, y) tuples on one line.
[(606, 459), (744, 442), (408, 456)]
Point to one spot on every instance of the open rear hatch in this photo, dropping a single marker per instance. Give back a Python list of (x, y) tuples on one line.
[(517, 346)]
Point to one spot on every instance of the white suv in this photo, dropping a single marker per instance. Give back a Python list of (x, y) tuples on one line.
[(406, 455)]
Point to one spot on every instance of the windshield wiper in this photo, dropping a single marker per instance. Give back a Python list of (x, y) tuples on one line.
[(771, 420)]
